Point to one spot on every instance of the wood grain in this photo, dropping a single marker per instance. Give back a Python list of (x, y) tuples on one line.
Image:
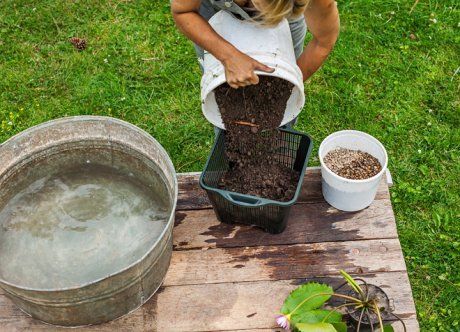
[(220, 307), (192, 197), (233, 305), (284, 262), (308, 223), (234, 278)]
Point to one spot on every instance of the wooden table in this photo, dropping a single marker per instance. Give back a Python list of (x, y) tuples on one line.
[(235, 278)]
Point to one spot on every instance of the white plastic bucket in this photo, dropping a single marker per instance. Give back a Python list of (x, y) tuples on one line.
[(346, 194), (271, 46)]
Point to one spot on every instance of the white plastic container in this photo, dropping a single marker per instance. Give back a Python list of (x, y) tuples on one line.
[(271, 46), (346, 194)]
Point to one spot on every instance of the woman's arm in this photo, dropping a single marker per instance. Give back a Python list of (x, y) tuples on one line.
[(323, 22), (239, 68)]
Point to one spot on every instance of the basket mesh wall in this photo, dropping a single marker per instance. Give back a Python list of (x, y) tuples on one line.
[(292, 149)]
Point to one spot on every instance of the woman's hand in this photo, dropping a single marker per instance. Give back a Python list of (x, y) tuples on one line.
[(239, 69)]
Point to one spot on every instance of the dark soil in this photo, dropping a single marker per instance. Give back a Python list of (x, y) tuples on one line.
[(251, 116), (352, 164)]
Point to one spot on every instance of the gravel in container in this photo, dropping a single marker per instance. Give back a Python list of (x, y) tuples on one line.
[(352, 164)]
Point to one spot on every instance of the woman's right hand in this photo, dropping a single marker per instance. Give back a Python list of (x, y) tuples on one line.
[(239, 69)]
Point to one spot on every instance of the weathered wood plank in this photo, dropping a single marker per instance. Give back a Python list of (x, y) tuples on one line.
[(253, 304), (308, 223), (254, 330), (411, 325), (14, 320), (234, 278), (284, 262), (219, 307), (192, 197)]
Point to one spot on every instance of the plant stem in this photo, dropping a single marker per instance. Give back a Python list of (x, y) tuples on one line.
[(377, 311), (336, 309), (413, 6), (370, 321), (352, 283), (360, 319), (345, 283), (367, 287), (402, 322), (347, 297), (324, 294)]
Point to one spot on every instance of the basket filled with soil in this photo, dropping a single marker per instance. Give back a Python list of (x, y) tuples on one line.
[(255, 170), (352, 165)]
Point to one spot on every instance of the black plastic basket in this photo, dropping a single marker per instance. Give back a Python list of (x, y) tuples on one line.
[(292, 149)]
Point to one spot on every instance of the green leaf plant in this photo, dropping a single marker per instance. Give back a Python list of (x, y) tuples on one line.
[(303, 310)]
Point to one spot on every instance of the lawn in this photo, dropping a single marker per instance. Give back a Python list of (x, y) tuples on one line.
[(394, 74)]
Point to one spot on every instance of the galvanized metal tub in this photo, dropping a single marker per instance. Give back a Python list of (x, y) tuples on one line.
[(117, 283)]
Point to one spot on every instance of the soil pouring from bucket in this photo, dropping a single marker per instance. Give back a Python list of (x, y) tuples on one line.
[(251, 116)]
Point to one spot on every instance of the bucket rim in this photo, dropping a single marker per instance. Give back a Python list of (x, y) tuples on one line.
[(282, 70)]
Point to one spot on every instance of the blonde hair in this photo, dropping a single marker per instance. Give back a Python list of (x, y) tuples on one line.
[(274, 11)]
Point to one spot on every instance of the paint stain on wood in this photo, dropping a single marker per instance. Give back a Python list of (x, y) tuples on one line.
[(150, 311), (191, 196), (295, 261), (180, 216), (335, 282), (180, 245), (307, 223)]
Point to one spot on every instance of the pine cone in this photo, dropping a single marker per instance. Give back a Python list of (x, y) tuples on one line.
[(78, 43)]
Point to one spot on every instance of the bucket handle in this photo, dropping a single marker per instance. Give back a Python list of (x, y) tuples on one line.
[(242, 200)]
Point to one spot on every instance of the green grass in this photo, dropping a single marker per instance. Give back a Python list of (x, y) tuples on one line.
[(137, 67)]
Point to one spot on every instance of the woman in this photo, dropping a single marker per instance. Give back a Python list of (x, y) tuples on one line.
[(321, 16)]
